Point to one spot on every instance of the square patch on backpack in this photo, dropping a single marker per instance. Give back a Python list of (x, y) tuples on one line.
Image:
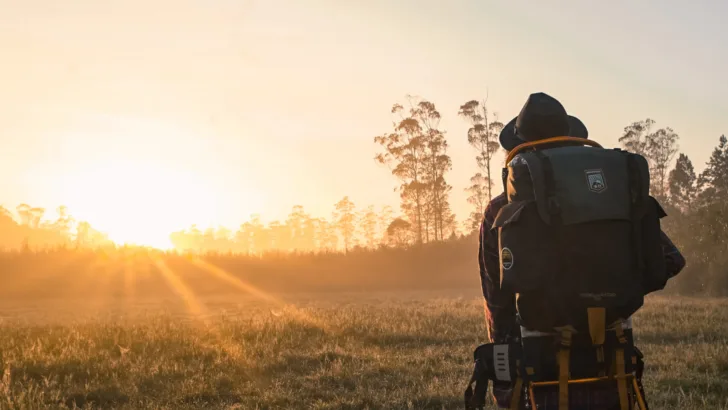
[(595, 180)]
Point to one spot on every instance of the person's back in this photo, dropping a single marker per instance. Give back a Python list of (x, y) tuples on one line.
[(551, 275)]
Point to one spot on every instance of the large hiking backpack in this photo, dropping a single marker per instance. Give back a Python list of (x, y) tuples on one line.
[(579, 243), (580, 231)]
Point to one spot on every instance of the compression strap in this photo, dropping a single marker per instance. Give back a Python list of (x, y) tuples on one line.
[(597, 329), (564, 353)]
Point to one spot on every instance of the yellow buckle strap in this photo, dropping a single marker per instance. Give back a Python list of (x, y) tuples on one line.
[(618, 327), (532, 397), (597, 317), (564, 370)]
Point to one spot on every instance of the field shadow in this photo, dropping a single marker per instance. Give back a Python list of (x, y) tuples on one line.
[(302, 364), (106, 397), (151, 386), (206, 399), (75, 370), (405, 340)]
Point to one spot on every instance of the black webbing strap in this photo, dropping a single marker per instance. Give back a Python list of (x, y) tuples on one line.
[(637, 210), (552, 202), (620, 367), (477, 388), (639, 370), (504, 177)]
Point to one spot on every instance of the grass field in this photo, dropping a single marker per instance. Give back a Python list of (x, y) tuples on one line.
[(341, 351)]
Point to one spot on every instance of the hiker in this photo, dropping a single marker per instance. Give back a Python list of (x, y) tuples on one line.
[(542, 118)]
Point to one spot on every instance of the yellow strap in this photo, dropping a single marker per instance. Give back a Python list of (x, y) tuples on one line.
[(516, 396), (581, 141), (566, 335), (597, 317), (620, 369), (638, 393), (532, 397), (564, 370), (621, 380)]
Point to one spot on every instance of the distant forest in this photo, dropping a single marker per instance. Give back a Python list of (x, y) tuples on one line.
[(415, 149)]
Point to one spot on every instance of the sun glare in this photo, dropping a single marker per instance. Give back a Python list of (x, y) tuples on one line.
[(139, 203)]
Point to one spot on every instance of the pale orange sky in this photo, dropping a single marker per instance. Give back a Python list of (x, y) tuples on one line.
[(207, 111)]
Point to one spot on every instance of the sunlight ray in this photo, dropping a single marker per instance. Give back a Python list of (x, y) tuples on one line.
[(200, 313), (224, 275), (129, 284), (195, 308), (98, 280)]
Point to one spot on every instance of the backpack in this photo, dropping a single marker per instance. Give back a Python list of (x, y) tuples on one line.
[(579, 232), (579, 244)]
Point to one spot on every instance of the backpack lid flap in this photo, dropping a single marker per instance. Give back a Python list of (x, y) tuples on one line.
[(509, 213), (590, 184), (538, 185)]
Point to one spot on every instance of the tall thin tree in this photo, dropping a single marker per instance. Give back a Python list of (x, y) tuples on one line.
[(661, 150), (478, 197), (658, 147), (368, 223), (417, 153), (437, 164), (345, 219), (482, 136), (634, 137), (683, 184), (715, 175)]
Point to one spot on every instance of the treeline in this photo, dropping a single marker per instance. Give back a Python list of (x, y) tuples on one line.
[(416, 152), (348, 228), (28, 228), (697, 207)]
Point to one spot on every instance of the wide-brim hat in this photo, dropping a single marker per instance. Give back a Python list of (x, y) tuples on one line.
[(542, 116)]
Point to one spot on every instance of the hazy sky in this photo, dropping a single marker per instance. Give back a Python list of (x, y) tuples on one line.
[(209, 110)]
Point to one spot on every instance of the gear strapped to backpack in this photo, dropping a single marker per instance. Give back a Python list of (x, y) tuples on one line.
[(579, 247), (508, 363)]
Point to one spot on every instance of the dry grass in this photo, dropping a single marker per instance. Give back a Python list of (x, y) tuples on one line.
[(345, 352)]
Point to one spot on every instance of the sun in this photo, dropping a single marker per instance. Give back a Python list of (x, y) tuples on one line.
[(138, 202)]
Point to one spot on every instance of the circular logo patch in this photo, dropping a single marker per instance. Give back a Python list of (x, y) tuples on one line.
[(506, 258)]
